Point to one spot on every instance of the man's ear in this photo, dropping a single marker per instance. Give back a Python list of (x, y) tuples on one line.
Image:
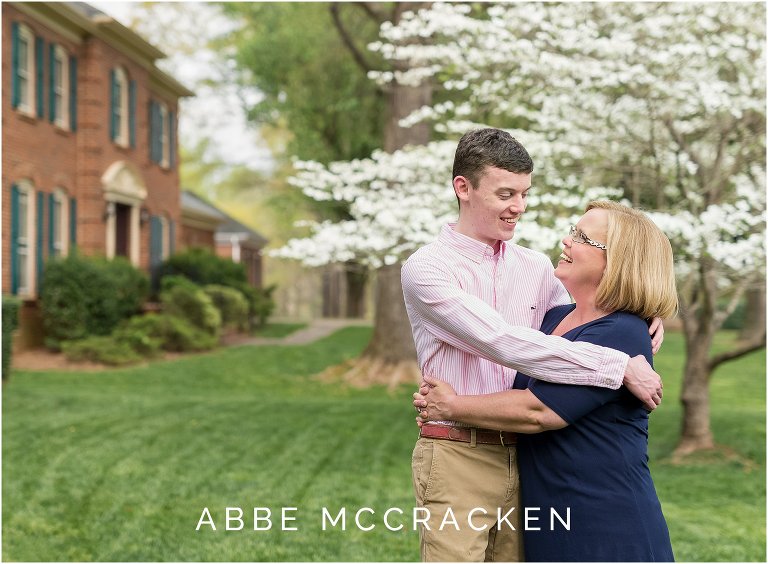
[(462, 187)]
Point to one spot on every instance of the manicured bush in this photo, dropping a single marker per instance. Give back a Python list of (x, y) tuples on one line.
[(231, 303), (84, 296), (169, 282), (203, 267), (260, 303), (172, 333), (11, 308), (193, 305), (103, 349)]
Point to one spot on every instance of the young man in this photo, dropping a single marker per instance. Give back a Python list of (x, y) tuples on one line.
[(475, 304)]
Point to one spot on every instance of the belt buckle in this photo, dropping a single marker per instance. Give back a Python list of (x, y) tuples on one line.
[(501, 438)]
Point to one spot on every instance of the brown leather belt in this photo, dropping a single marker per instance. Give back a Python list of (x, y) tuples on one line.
[(464, 435)]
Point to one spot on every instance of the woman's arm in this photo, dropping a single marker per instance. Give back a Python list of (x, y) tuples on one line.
[(511, 410)]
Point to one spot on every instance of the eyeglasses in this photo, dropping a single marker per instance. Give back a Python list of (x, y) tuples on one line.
[(578, 236)]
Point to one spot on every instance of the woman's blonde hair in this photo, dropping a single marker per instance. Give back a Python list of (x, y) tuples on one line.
[(639, 276)]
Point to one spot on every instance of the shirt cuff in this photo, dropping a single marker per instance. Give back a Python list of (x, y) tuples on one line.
[(612, 369)]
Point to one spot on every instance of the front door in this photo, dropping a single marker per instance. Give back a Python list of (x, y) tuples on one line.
[(122, 230)]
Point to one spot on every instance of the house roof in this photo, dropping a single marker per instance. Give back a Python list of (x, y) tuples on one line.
[(228, 228), (192, 204), (233, 229)]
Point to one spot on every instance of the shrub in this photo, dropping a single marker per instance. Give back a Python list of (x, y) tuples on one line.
[(11, 308), (260, 303), (176, 280), (231, 303), (84, 296), (172, 333), (104, 349), (203, 267), (193, 305)]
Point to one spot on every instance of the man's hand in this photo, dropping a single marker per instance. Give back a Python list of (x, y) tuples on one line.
[(433, 400), (656, 331), (643, 382)]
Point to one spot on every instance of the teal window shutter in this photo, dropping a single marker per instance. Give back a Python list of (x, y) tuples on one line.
[(40, 237), (14, 239), (172, 138), (72, 222), (155, 249), (113, 102), (52, 82), (132, 113), (51, 225), (16, 85), (39, 76), (171, 236), (73, 93)]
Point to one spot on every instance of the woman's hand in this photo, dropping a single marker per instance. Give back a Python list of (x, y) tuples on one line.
[(434, 400)]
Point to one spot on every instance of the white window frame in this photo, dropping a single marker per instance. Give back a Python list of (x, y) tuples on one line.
[(61, 87), (165, 138), (123, 135), (27, 287), (61, 233), (29, 75)]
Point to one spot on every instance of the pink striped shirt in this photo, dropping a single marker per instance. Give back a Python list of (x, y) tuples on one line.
[(475, 317)]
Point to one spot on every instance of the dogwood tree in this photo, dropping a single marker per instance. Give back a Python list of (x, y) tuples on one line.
[(663, 103)]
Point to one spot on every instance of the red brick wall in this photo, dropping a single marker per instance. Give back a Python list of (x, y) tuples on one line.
[(197, 237), (33, 148), (75, 161)]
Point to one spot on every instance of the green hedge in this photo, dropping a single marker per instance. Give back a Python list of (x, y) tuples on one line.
[(11, 307), (205, 268), (193, 305), (231, 303), (172, 333), (103, 348), (85, 296)]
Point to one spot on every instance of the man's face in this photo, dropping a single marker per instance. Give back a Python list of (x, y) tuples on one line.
[(490, 210)]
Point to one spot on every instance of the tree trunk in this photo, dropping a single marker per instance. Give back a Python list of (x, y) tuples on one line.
[(696, 432), (390, 357), (754, 316), (697, 312), (357, 276)]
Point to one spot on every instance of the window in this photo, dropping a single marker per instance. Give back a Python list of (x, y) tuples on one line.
[(119, 124), (165, 158), (60, 87), (22, 237), (58, 224), (165, 236), (23, 71)]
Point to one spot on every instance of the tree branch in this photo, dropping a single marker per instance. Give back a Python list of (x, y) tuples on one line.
[(347, 39), (374, 13), (754, 344), (734, 301)]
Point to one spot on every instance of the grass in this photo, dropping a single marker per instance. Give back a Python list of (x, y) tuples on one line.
[(119, 465), (277, 330)]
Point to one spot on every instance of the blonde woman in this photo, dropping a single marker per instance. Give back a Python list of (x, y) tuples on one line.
[(583, 449)]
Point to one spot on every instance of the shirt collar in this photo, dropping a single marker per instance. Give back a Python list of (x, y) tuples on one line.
[(471, 248)]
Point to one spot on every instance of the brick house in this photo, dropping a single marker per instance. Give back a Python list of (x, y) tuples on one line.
[(89, 132), (242, 244)]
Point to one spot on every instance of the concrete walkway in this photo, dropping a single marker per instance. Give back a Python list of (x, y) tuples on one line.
[(315, 329)]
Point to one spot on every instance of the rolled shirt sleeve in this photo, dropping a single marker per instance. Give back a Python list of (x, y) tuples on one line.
[(471, 325)]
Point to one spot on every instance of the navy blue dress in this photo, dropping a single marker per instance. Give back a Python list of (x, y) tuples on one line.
[(597, 466)]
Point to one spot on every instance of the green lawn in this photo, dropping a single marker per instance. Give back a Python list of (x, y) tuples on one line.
[(277, 330), (119, 465)]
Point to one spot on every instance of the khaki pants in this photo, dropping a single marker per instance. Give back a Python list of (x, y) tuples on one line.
[(460, 477)]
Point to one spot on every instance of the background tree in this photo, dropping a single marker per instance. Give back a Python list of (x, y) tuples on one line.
[(663, 102), (311, 62)]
